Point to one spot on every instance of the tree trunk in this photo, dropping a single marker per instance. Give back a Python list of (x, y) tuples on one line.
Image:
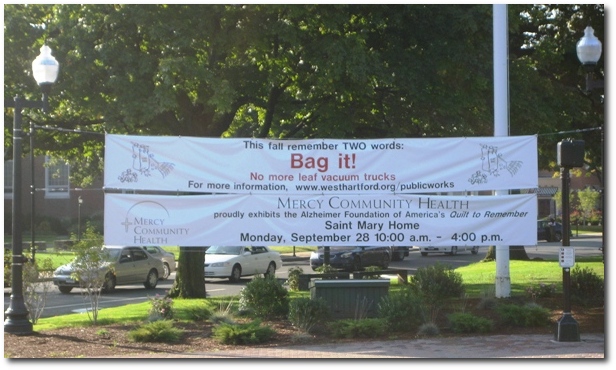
[(516, 252), (189, 280)]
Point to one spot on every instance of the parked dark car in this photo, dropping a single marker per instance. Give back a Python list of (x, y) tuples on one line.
[(544, 231), (398, 253), (352, 258)]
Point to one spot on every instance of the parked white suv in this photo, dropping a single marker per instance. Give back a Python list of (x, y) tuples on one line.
[(450, 250)]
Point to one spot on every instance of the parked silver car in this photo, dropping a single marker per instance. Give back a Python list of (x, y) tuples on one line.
[(168, 259), (123, 265)]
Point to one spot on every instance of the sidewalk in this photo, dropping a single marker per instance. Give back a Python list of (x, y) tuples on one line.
[(482, 347)]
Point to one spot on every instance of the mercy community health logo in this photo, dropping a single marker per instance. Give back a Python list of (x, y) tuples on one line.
[(150, 223), (143, 163)]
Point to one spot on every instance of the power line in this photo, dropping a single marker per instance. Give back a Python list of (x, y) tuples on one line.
[(572, 131)]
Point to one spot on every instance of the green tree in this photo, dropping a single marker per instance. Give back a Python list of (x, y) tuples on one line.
[(589, 199), (91, 268), (558, 200), (297, 71)]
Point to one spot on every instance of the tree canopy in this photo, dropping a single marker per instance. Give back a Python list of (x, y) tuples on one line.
[(299, 71)]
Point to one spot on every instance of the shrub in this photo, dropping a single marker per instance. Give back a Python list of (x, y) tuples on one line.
[(536, 315), (265, 297), (161, 309), (437, 283), (401, 309), (587, 287), (246, 333), (371, 269), (325, 269), (293, 278), (305, 313), (36, 286), (428, 329), (365, 328), (526, 316), (199, 313), (462, 322), (541, 291), (156, 331)]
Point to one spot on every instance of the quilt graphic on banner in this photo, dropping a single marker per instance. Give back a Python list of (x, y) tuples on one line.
[(320, 166), (320, 220)]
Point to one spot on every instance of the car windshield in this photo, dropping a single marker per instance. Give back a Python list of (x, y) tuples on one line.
[(224, 250), (111, 254)]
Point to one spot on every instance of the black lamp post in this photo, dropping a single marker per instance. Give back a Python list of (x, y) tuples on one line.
[(79, 202), (589, 51), (45, 71)]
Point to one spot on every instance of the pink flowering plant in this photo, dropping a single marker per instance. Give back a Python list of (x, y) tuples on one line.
[(162, 308)]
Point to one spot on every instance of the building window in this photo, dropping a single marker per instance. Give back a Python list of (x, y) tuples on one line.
[(8, 179), (56, 179)]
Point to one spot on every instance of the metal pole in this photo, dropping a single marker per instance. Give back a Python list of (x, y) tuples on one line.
[(17, 314), (502, 284), (79, 218), (567, 328), (32, 194)]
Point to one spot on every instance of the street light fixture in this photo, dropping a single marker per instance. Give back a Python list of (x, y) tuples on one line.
[(589, 52), (45, 71)]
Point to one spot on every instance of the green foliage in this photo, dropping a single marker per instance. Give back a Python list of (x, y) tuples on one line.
[(90, 267), (587, 287), (8, 262), (401, 309), (541, 291), (305, 313), (461, 322), (162, 308), (156, 331), (36, 286), (325, 269), (224, 314), (266, 297), (531, 315), (364, 328), (293, 277), (428, 329), (437, 283), (371, 269), (589, 200), (245, 333), (201, 313)]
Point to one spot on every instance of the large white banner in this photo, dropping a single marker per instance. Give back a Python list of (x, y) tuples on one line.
[(320, 166), (320, 220)]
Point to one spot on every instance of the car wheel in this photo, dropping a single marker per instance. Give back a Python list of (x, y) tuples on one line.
[(475, 250), (271, 270), (166, 271), (236, 274), (398, 256), (356, 263), (65, 289), (423, 254), (151, 280), (454, 251), (385, 261), (109, 284)]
